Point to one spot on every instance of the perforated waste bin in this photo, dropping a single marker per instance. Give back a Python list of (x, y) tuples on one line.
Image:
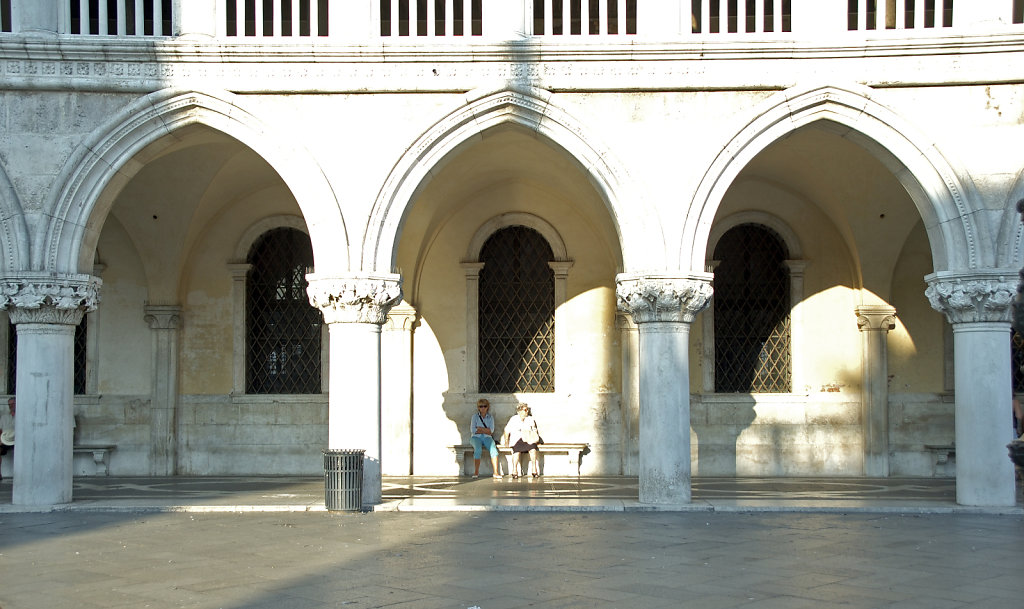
[(343, 480)]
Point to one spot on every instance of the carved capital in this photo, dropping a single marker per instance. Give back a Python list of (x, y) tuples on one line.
[(49, 298), (972, 297), (355, 298), (662, 297), (876, 317), (163, 317)]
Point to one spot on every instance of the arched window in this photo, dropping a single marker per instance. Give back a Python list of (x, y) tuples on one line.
[(516, 313), (752, 312), (282, 329)]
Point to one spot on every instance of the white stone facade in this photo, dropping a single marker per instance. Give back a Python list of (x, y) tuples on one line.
[(887, 159)]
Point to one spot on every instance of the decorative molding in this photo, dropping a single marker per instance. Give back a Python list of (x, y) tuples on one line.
[(973, 296), (49, 298), (403, 318), (663, 298), (356, 298), (875, 317)]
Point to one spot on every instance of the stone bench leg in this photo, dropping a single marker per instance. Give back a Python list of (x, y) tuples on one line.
[(574, 461)]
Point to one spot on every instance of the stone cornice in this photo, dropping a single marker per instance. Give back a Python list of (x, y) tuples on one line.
[(968, 297), (655, 297), (76, 62), (49, 298), (355, 298)]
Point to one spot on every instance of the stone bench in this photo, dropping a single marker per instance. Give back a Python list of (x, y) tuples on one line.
[(99, 453), (943, 458), (464, 453)]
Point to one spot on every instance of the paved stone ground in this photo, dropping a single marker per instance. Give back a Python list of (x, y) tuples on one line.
[(497, 560)]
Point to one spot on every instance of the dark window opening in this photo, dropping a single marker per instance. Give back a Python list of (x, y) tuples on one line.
[(516, 313), (751, 313)]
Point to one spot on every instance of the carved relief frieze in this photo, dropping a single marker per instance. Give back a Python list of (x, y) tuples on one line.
[(49, 299), (967, 297), (356, 298), (662, 298)]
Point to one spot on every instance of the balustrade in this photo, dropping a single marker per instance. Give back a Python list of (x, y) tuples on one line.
[(443, 20)]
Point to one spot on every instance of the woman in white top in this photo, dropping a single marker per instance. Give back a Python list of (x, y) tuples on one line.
[(522, 435)]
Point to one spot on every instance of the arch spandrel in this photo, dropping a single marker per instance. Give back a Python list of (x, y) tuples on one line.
[(108, 159), (640, 235), (1011, 228), (938, 190)]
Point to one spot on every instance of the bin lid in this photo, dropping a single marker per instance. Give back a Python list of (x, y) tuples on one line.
[(344, 451)]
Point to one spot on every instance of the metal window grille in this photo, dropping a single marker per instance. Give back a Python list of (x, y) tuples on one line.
[(516, 313), (81, 335), (751, 312), (1017, 361), (282, 329)]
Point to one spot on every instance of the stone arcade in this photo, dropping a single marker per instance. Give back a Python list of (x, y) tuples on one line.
[(764, 238)]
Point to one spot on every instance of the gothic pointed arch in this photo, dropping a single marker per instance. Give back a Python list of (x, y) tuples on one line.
[(14, 235), (106, 160), (940, 191), (640, 235)]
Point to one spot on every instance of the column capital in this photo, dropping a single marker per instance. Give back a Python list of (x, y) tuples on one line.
[(162, 317), (657, 297), (402, 317), (973, 296), (356, 298), (875, 317), (49, 298)]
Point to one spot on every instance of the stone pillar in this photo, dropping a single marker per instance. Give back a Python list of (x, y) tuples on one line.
[(198, 18), (396, 394), (45, 309), (664, 307), (41, 17), (165, 322), (977, 304), (629, 349), (874, 322), (355, 307)]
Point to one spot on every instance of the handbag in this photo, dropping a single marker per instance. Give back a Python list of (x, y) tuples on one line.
[(532, 436)]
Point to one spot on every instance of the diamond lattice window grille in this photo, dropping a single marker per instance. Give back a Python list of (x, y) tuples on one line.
[(751, 313), (516, 313), (282, 329)]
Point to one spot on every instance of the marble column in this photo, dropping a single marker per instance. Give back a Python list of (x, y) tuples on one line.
[(977, 304), (663, 307), (45, 309), (396, 394), (355, 307), (874, 322), (165, 322)]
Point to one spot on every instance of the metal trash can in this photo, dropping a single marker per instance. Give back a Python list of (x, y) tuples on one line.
[(343, 480)]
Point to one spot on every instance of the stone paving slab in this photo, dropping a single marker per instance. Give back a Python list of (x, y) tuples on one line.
[(493, 560), (544, 494)]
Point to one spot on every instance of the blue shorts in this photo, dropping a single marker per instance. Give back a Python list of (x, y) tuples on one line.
[(479, 442)]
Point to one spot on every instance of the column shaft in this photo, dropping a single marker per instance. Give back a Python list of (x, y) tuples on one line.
[(353, 414), (984, 473), (164, 322), (664, 413), (44, 424)]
